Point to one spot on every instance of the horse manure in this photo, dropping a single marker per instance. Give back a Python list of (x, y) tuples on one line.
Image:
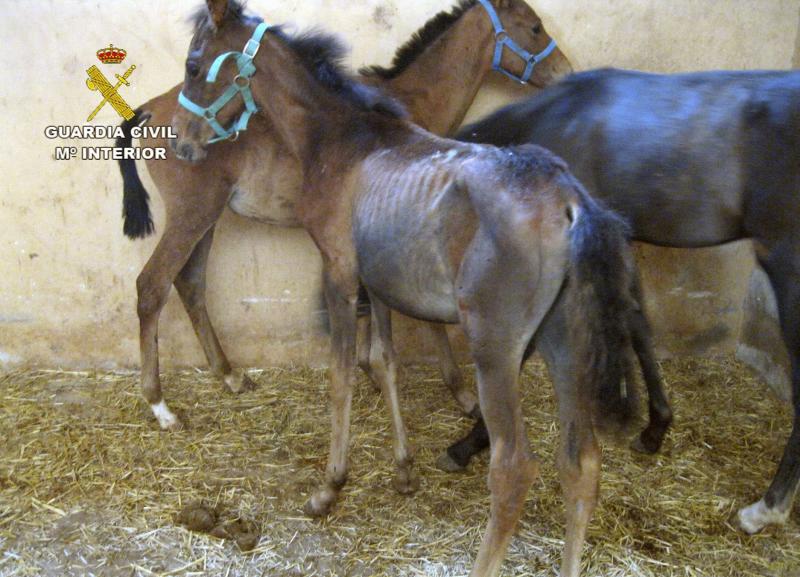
[(245, 533), (204, 519), (198, 517)]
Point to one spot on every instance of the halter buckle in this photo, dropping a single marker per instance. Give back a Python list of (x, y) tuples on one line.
[(234, 137), (241, 81), (251, 48)]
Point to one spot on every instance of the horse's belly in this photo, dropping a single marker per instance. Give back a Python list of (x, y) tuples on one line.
[(686, 213), (429, 301), (417, 282), (405, 258)]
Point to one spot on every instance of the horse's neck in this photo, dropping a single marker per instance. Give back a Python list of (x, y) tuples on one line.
[(295, 105), (440, 85)]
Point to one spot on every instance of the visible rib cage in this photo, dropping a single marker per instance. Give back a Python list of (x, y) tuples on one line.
[(401, 222)]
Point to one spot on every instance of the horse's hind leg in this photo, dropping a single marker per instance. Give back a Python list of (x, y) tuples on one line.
[(384, 368), (153, 286), (512, 467), (650, 439), (191, 286), (451, 374), (498, 330), (579, 454), (782, 265)]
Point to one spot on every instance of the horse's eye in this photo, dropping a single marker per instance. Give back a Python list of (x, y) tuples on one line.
[(536, 29), (192, 69)]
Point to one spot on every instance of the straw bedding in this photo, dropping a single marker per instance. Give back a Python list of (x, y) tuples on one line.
[(89, 486)]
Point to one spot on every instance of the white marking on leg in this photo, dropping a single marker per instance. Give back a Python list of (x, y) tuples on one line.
[(757, 516), (166, 418)]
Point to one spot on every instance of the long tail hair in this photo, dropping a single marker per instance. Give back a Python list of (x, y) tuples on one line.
[(599, 292), (135, 200)]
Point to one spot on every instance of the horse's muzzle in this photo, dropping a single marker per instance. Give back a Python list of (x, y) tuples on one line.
[(187, 151)]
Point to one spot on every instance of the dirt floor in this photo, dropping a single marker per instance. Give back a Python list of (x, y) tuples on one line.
[(90, 486)]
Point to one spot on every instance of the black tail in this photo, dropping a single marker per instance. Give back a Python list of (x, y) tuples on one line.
[(602, 274), (135, 207)]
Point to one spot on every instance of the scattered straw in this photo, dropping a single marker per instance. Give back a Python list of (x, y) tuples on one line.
[(88, 485)]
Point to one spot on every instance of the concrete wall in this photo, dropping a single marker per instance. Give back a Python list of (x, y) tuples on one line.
[(67, 275)]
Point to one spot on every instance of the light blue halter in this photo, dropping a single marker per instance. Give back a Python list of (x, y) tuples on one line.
[(502, 39), (240, 85)]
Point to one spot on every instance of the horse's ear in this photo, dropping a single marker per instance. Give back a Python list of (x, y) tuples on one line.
[(217, 9)]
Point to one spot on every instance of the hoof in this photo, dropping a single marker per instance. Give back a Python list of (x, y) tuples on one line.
[(640, 445), (469, 404), (238, 382), (406, 482), (167, 420), (446, 463), (754, 518), (173, 427), (320, 503)]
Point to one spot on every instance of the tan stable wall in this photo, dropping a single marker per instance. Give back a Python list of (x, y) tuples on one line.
[(67, 275)]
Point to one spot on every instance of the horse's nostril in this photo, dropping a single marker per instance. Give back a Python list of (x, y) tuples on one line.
[(185, 151)]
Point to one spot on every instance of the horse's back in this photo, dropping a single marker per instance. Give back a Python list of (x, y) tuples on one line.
[(673, 153)]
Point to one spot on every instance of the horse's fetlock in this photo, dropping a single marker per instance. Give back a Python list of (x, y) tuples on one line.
[(336, 480)]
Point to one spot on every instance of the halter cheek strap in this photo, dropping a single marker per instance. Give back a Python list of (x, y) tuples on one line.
[(240, 85), (503, 40)]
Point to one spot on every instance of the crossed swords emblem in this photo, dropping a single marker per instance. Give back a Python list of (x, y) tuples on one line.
[(97, 81)]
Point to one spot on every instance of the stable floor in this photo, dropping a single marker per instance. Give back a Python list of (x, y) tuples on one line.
[(90, 486)]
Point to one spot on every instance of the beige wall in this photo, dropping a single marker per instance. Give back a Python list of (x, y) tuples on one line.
[(67, 275)]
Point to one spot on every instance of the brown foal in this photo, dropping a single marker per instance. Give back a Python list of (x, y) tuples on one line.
[(445, 232), (436, 76)]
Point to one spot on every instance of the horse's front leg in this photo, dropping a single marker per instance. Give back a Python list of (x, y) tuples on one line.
[(341, 294)]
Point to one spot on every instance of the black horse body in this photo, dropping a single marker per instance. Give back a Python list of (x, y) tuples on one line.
[(690, 160), (686, 158)]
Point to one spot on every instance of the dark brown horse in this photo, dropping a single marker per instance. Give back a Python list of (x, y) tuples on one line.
[(436, 75), (441, 231), (691, 160)]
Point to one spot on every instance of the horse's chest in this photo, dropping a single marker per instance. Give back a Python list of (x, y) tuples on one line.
[(268, 190)]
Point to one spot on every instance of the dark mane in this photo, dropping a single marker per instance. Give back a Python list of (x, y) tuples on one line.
[(419, 41), (321, 54)]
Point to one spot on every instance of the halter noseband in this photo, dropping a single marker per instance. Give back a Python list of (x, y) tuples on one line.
[(502, 39), (240, 85)]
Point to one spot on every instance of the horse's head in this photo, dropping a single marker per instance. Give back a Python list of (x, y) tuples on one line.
[(523, 26), (205, 114)]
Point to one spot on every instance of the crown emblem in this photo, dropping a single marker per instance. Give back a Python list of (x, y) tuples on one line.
[(111, 55)]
